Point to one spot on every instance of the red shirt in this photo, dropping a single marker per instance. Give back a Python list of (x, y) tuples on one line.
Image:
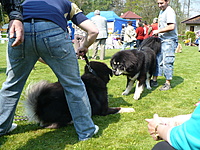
[(154, 27), (140, 33)]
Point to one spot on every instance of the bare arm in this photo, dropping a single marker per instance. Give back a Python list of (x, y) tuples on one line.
[(160, 126), (92, 33), (168, 28)]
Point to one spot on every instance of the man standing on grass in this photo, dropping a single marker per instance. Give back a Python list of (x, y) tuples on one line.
[(48, 28), (100, 41), (167, 32)]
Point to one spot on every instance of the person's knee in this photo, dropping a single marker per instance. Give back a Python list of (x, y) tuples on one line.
[(163, 146)]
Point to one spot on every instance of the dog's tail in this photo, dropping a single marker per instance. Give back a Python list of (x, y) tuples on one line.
[(31, 104), (152, 42)]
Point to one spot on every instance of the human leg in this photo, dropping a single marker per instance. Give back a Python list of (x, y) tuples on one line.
[(137, 43), (131, 45), (158, 70), (163, 146), (20, 61), (103, 47), (124, 45), (62, 60), (168, 49), (95, 48)]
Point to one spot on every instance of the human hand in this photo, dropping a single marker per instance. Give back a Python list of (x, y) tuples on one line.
[(82, 51), (16, 28), (155, 32), (152, 125)]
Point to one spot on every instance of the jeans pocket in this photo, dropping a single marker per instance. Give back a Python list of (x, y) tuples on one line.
[(58, 45), (15, 53), (170, 58)]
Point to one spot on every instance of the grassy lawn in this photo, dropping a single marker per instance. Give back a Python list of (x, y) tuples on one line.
[(118, 131)]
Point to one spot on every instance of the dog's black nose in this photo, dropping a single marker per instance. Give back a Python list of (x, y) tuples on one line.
[(115, 73)]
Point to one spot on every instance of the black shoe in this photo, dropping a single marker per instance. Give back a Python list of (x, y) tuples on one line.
[(165, 87), (153, 83)]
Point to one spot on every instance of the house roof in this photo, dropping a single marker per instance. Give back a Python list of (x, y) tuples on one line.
[(130, 15), (193, 20)]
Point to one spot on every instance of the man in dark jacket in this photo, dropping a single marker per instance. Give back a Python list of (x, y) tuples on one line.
[(16, 31), (12, 7)]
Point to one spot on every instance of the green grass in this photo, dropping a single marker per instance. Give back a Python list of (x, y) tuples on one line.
[(118, 131)]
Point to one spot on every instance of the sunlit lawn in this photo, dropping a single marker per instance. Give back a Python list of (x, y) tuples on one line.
[(118, 131)]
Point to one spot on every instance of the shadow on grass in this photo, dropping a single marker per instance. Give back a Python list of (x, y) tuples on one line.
[(58, 139), (118, 101), (176, 81), (2, 70)]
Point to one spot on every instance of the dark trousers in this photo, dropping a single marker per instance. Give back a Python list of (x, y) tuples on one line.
[(163, 146), (138, 42)]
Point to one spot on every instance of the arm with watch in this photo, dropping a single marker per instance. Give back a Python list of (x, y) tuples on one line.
[(180, 132), (160, 127)]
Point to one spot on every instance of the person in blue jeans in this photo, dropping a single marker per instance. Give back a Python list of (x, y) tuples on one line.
[(16, 32), (46, 36), (167, 32)]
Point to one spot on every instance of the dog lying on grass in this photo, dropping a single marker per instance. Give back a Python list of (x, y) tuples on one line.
[(46, 103)]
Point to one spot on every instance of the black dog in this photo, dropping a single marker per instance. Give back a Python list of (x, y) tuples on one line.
[(137, 64), (46, 103)]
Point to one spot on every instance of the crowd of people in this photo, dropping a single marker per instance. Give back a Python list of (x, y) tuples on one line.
[(180, 132)]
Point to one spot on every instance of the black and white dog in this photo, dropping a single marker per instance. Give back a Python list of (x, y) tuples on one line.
[(46, 103), (137, 64)]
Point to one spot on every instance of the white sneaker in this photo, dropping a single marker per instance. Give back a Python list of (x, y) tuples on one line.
[(13, 127), (96, 129), (95, 132)]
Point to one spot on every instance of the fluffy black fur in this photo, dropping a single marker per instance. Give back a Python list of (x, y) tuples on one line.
[(46, 102), (137, 64)]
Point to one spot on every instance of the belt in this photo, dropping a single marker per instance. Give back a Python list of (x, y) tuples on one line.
[(32, 20)]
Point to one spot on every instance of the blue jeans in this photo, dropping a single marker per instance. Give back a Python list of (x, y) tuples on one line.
[(50, 42), (125, 44), (166, 58)]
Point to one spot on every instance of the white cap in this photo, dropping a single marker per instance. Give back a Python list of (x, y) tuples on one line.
[(96, 12)]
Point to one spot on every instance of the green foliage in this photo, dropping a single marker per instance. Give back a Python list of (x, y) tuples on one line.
[(119, 131), (146, 9), (181, 37), (190, 34)]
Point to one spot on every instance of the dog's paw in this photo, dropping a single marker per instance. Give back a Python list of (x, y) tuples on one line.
[(124, 93), (149, 88), (126, 110), (136, 96)]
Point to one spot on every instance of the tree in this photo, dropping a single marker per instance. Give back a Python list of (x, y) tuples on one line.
[(3, 16), (146, 9)]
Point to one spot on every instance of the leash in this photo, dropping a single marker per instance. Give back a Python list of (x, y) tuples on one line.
[(88, 65), (20, 118)]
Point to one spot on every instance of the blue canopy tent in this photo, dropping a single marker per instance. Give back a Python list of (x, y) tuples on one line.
[(111, 16), (118, 24)]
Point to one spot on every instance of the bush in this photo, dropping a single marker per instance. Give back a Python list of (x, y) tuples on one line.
[(190, 34)]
